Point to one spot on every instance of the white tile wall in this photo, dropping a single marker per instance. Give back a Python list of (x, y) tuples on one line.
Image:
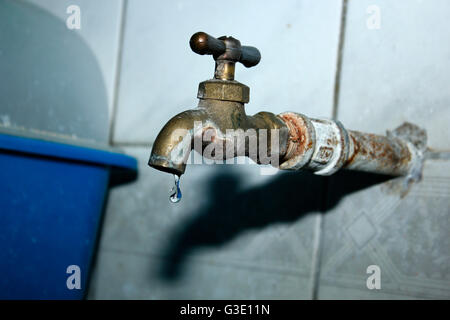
[(400, 72)]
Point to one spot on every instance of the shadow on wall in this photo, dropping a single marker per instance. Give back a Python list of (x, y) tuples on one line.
[(50, 79), (287, 198)]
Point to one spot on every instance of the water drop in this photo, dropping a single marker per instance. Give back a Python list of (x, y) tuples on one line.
[(175, 193)]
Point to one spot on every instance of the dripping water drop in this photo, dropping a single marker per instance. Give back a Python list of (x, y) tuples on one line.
[(175, 193)]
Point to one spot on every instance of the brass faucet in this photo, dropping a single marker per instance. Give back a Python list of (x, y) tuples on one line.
[(294, 140), (220, 108)]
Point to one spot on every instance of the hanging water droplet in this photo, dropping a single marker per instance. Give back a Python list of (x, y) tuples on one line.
[(175, 193)]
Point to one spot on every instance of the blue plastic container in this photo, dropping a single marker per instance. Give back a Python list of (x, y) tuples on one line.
[(51, 201)]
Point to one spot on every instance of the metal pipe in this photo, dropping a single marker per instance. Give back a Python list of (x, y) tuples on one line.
[(325, 146)]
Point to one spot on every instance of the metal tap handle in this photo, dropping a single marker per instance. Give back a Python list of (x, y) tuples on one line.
[(224, 48)]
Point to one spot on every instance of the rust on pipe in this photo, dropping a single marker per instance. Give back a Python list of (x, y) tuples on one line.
[(374, 153), (325, 146)]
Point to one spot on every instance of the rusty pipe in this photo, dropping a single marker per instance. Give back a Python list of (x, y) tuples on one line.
[(325, 146)]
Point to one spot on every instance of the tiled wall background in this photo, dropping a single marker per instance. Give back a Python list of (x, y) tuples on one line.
[(236, 233)]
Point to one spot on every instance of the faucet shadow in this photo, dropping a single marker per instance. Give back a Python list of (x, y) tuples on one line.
[(285, 199)]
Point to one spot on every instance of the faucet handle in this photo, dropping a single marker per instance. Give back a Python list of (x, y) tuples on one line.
[(226, 51)]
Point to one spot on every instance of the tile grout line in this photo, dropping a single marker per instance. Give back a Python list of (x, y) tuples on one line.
[(318, 230), (228, 264), (112, 122), (316, 255), (337, 75)]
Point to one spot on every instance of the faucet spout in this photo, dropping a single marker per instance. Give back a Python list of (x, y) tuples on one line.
[(173, 144)]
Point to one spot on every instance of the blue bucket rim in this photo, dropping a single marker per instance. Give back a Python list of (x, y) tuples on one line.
[(59, 146)]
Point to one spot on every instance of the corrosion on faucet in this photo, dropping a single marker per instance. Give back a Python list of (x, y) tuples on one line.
[(323, 146)]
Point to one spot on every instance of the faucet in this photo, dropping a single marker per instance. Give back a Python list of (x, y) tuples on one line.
[(219, 129)]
